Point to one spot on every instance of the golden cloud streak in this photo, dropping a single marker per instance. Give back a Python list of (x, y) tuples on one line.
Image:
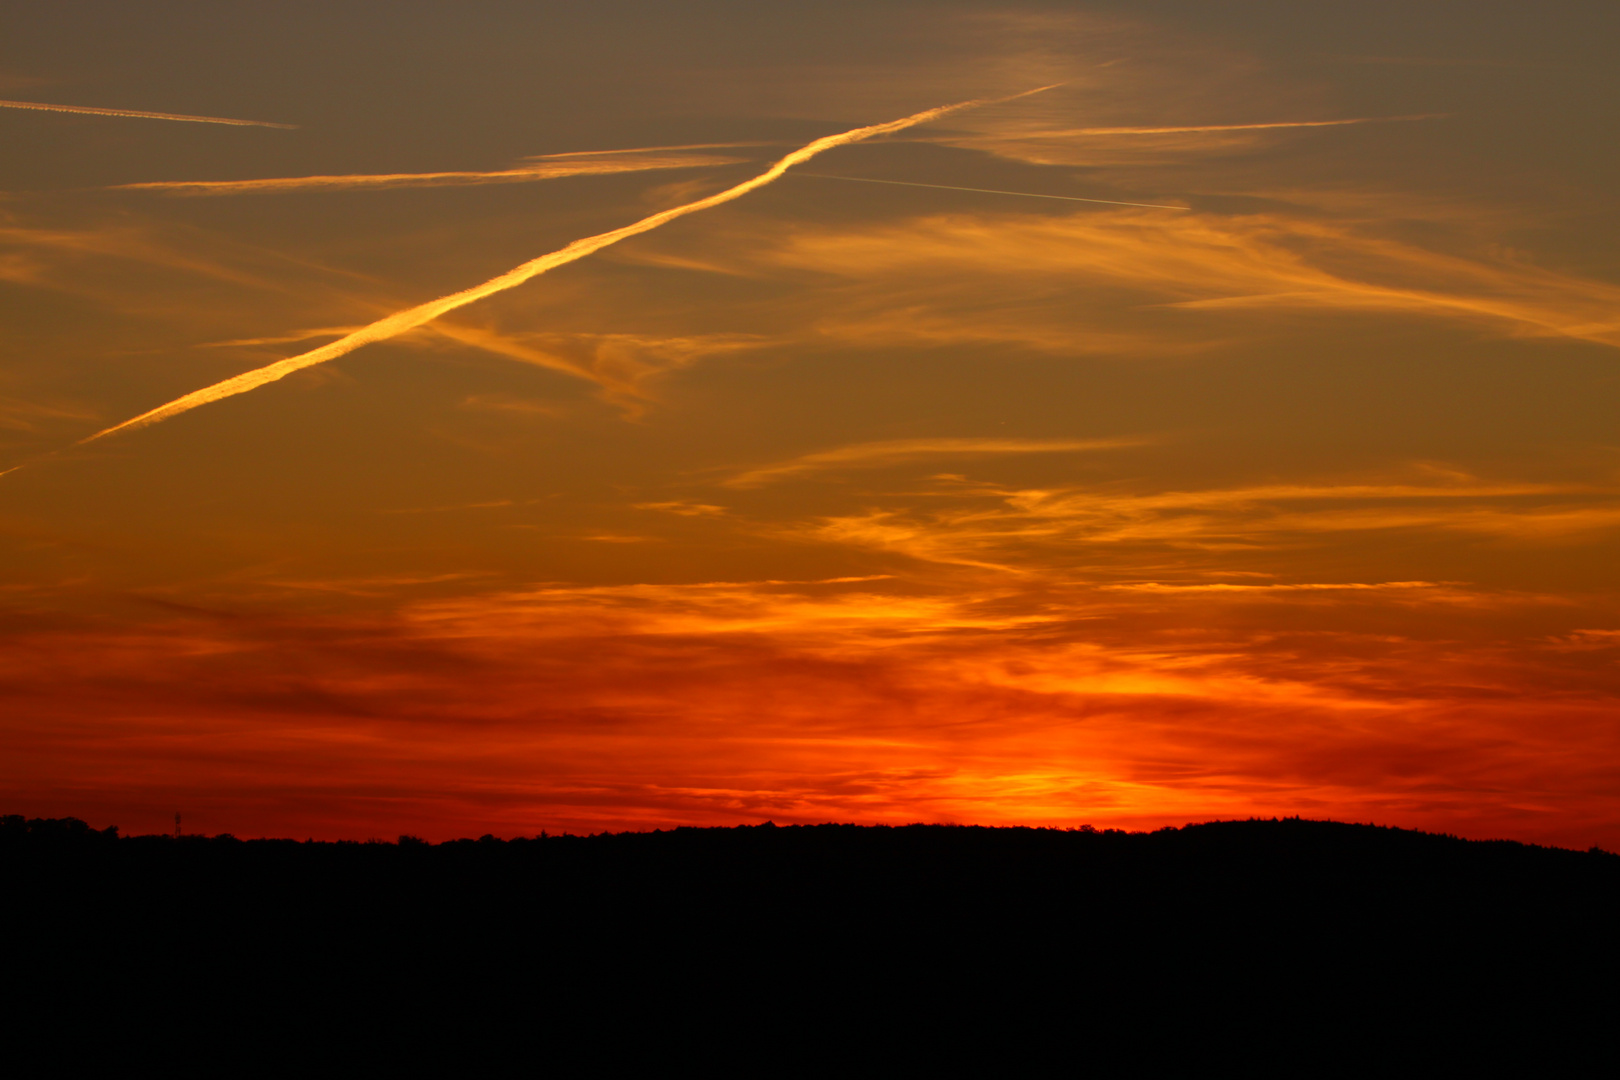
[(1188, 261), (1016, 534)]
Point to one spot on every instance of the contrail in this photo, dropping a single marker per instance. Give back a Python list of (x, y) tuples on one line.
[(992, 191), (374, 181), (647, 150), (410, 318), (1235, 127), (138, 114)]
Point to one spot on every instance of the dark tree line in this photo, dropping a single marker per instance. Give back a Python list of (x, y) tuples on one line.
[(1257, 927)]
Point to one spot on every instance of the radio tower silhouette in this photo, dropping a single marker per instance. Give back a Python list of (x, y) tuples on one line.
[(177, 824)]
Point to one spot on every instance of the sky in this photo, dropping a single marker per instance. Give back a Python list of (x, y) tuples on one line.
[(1227, 427)]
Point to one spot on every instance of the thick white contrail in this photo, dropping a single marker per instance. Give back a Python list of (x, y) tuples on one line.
[(409, 319), (138, 114), (374, 181)]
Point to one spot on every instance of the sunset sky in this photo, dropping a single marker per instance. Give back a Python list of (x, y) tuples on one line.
[(1230, 428)]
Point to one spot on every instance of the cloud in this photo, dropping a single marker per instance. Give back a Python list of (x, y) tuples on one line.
[(1275, 589), (137, 114), (994, 191), (509, 405), (684, 509), (1138, 145), (280, 339), (1036, 533), (991, 276), (597, 358), (621, 365), (114, 241), (411, 318), (634, 705), (522, 175), (896, 451), (1123, 78), (17, 414), (1588, 639)]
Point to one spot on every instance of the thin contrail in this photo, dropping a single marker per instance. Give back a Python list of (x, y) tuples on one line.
[(409, 319), (374, 181), (138, 114), (647, 150), (992, 191), (1235, 127)]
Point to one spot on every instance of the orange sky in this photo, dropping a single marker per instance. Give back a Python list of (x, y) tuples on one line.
[(841, 501)]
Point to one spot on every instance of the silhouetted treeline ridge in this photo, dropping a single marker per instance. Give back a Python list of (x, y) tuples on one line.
[(1269, 852), (877, 932), (1261, 872), (1291, 834)]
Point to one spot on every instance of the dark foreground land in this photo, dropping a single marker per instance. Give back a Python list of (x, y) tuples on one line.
[(1274, 919), (1289, 869)]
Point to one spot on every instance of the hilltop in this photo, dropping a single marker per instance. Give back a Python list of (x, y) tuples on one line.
[(631, 943), (1259, 872)]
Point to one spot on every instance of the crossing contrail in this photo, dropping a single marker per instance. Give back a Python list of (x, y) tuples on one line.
[(410, 318), (138, 114), (375, 181)]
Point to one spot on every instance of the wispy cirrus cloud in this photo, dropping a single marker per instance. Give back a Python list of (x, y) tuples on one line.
[(981, 276), (994, 191), (51, 247), (682, 508), (1133, 146), (1034, 532), (896, 451), (621, 365), (18, 414)]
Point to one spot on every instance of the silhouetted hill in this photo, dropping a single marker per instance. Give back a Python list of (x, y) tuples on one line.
[(1217, 859), (1285, 917), (1250, 871)]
